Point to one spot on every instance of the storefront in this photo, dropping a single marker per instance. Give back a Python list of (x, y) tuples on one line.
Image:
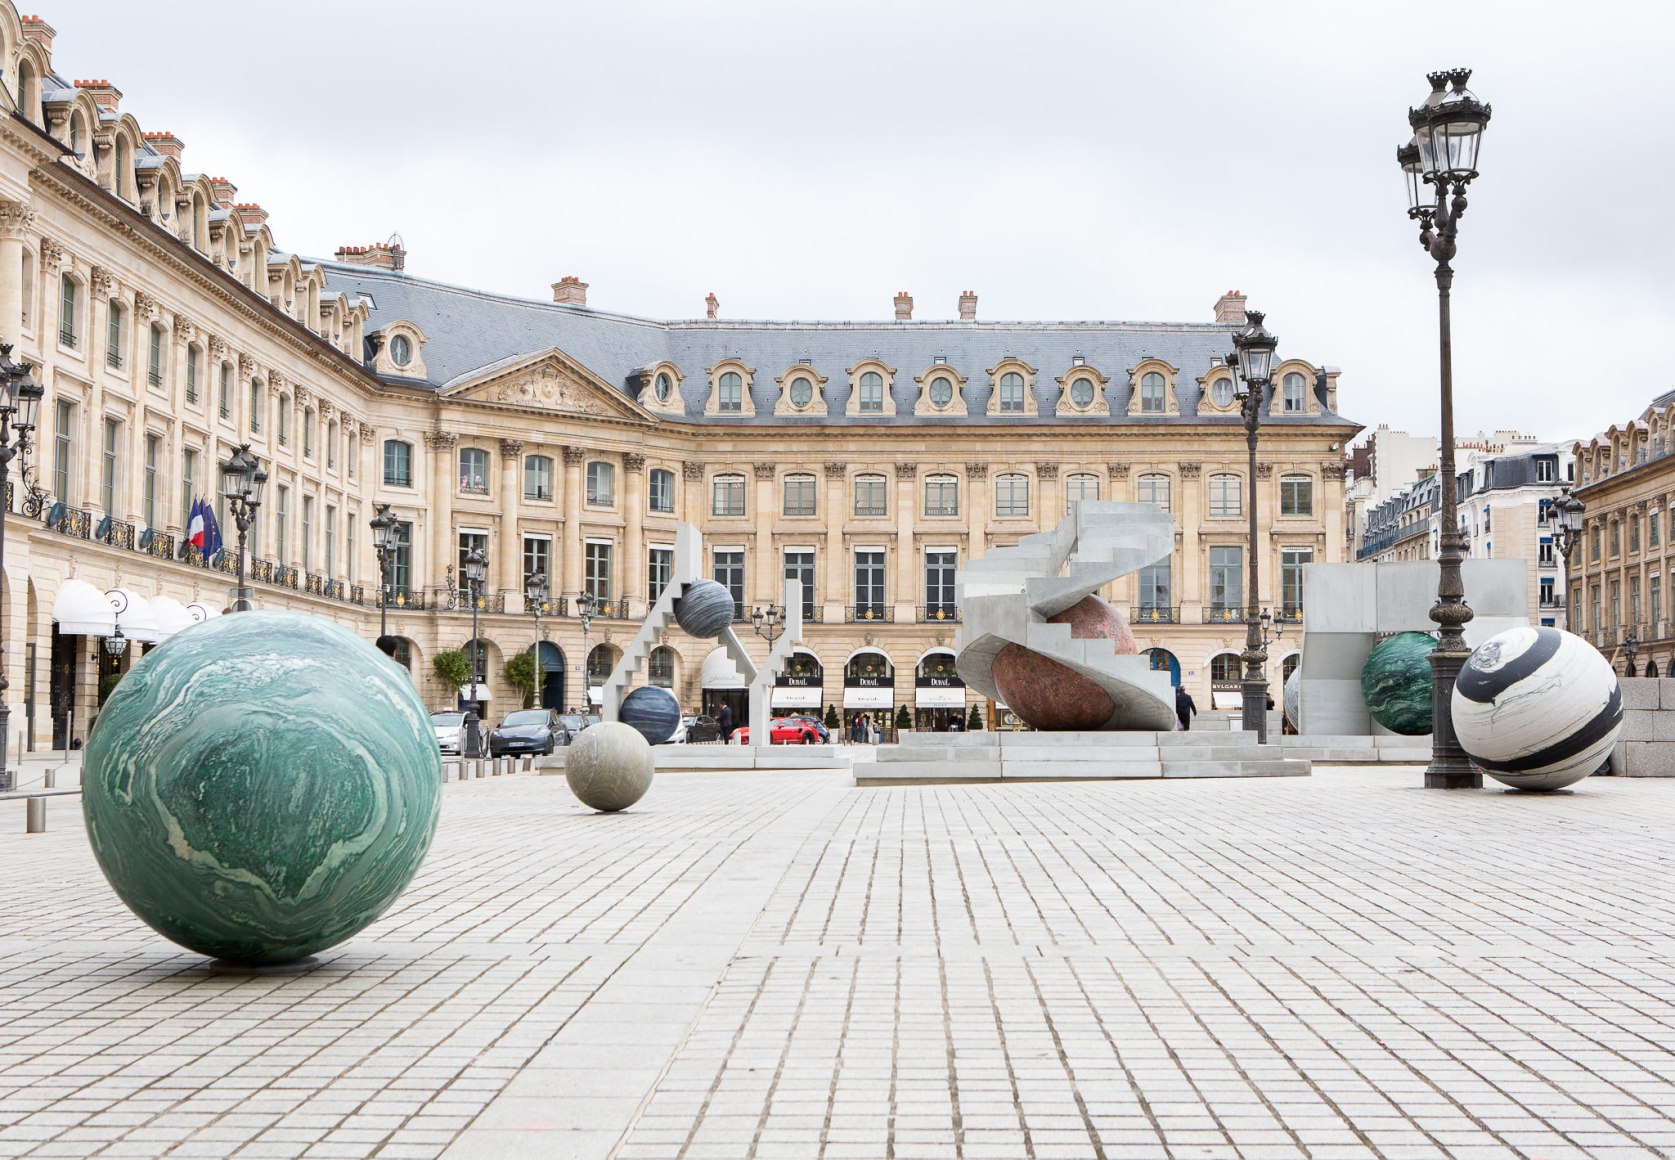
[(869, 689), (801, 687), (722, 684), (938, 694)]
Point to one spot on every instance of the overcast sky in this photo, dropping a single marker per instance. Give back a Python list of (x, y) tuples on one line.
[(1113, 160)]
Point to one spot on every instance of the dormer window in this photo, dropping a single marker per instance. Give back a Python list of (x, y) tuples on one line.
[(941, 391), (663, 387), (872, 393), (802, 391), (1221, 392), (732, 394), (1151, 394), (1081, 393), (401, 350), (1012, 393)]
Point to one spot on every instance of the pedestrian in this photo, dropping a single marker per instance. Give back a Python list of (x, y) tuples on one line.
[(387, 645), (1184, 708), (725, 719)]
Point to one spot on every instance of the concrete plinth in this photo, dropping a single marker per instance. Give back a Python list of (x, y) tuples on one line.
[(930, 758)]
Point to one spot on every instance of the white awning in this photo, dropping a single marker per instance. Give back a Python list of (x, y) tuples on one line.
[(134, 615), (82, 610), (172, 616), (719, 672), (201, 612), (474, 692), (854, 698), (596, 695), (940, 698), (793, 697)]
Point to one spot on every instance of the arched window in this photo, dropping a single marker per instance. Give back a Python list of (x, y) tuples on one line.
[(401, 350), (1225, 496), (942, 495), (661, 494), (78, 135), (872, 392), (473, 471), (1080, 487), (1012, 495), (799, 495), (660, 667), (941, 391), (1163, 661), (124, 181), (1224, 669), (601, 484), (1151, 394), (1012, 393), (731, 401), (1296, 495), (871, 496), (69, 303), (28, 100), (600, 662), (1153, 489), (537, 477), (1292, 394), (398, 463), (868, 665), (727, 495)]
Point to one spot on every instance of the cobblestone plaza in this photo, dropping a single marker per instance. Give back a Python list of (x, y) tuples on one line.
[(783, 965)]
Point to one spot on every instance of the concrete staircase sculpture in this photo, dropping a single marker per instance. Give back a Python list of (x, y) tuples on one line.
[(1006, 597)]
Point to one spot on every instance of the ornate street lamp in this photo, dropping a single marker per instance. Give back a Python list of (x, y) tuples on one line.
[(20, 407), (475, 569), (1253, 356), (534, 603), (1566, 514), (1447, 132), (384, 526), (587, 607), (768, 622), (243, 483)]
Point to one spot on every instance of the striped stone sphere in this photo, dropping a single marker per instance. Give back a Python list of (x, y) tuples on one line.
[(1537, 708), (652, 710), (705, 609)]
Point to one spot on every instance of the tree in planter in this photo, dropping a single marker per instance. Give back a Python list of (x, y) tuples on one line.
[(832, 722), (453, 668), (974, 721), (520, 674), (107, 685), (904, 720)]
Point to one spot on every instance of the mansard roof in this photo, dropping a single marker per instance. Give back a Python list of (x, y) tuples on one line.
[(471, 332)]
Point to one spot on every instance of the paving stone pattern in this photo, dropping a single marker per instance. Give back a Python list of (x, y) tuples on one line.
[(779, 965)]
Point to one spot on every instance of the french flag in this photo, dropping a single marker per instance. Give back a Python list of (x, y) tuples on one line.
[(201, 530)]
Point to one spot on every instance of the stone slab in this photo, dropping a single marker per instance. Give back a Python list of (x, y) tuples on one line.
[(1079, 770), (1644, 759), (1283, 768), (1640, 693)]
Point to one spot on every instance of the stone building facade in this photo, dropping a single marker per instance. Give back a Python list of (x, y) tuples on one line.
[(866, 458)]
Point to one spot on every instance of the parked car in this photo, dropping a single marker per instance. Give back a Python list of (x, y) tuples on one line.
[(782, 731), (450, 730), (699, 729), (528, 731), (813, 722), (573, 724)]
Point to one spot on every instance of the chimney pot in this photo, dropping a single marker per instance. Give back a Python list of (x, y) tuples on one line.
[(904, 306), (968, 307), (377, 256), (1230, 309)]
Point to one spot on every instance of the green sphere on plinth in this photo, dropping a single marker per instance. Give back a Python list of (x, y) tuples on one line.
[(1396, 682), (261, 786)]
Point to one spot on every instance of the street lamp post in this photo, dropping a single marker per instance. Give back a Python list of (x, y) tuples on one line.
[(1447, 132), (768, 623), (475, 569), (1566, 514), (534, 599), (1253, 355), (20, 406), (384, 526), (242, 483), (587, 607)]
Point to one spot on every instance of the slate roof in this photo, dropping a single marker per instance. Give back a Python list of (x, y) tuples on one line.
[(469, 331)]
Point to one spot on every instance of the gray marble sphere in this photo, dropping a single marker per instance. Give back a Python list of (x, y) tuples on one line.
[(705, 609), (609, 766), (1292, 698)]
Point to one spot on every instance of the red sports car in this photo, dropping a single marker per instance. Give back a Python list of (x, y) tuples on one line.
[(782, 731)]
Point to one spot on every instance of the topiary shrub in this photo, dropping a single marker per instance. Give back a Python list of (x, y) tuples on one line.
[(974, 720)]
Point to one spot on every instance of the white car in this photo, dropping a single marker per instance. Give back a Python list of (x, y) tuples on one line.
[(450, 730)]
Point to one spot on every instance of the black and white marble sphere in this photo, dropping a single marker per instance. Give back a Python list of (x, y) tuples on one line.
[(705, 609), (608, 766), (1537, 708)]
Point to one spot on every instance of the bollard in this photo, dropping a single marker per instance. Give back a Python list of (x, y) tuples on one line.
[(35, 820), (52, 777)]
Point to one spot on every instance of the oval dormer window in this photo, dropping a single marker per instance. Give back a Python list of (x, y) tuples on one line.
[(401, 350), (802, 392), (1081, 393), (663, 386), (1221, 392), (942, 391)]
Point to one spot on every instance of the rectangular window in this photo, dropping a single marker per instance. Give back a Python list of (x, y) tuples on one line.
[(940, 567), (1296, 496), (331, 446), (942, 495), (1654, 589), (1012, 496), (1593, 546), (1544, 554), (191, 374), (1227, 579), (869, 584), (349, 544), (1292, 561), (596, 567), (281, 518), (871, 498), (224, 393), (1153, 489), (1616, 604), (67, 312), (1593, 608), (727, 569), (1225, 496), (1634, 533), (154, 357), (284, 420), (331, 540), (727, 495), (660, 569), (107, 473), (537, 477), (308, 533), (255, 406), (398, 463), (1547, 591), (661, 496), (113, 336), (538, 559), (1156, 596), (188, 476), (308, 431), (601, 484), (799, 495), (799, 565), (401, 554), (152, 443), (349, 452), (1652, 528), (1616, 538), (1633, 601), (1546, 470), (470, 542), (473, 471)]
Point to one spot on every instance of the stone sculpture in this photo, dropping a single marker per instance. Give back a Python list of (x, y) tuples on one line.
[(609, 766), (1396, 682), (705, 609), (1291, 696), (1035, 629), (261, 787), (654, 711), (1537, 708)]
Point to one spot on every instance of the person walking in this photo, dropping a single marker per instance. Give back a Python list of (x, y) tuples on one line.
[(1184, 707), (725, 720)]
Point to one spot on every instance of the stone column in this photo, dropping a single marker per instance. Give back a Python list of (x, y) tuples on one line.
[(1125, 590), (836, 563), (443, 485), (762, 585), (16, 220), (692, 507), (1192, 585), (571, 553), (1049, 496), (365, 569), (907, 558), (633, 529), (1268, 553), (977, 498), (507, 563)]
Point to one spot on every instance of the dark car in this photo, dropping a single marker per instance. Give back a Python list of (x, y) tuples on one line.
[(701, 728), (573, 723), (528, 731)]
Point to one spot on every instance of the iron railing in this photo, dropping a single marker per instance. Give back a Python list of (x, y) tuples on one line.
[(938, 613), (1214, 614), (871, 613), (1154, 613)]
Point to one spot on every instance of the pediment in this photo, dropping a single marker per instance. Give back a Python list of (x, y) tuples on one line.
[(549, 381)]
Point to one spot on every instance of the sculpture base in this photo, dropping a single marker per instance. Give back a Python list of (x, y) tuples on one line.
[(927, 758)]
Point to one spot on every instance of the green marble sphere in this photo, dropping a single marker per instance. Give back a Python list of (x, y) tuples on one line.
[(1396, 682), (261, 786)]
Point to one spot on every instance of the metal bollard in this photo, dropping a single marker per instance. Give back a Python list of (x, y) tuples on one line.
[(35, 819), (52, 777)]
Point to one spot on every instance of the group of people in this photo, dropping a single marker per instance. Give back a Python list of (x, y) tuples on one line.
[(863, 730)]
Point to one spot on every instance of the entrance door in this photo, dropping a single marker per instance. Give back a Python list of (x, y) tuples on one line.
[(66, 653)]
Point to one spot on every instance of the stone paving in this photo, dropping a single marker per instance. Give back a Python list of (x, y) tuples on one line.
[(781, 965)]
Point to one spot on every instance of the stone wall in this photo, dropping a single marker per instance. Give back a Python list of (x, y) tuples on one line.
[(1647, 746)]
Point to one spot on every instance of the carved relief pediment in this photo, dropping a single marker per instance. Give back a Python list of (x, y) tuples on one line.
[(550, 382)]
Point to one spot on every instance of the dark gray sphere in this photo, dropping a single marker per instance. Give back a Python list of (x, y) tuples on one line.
[(652, 710), (705, 610)]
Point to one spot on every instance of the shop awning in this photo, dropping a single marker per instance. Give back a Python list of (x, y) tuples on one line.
[(719, 672), (82, 610), (796, 697), (134, 615), (855, 698), (474, 692), (172, 616), (940, 698)]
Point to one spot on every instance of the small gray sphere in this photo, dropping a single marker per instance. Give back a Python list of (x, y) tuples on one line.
[(705, 609), (608, 766)]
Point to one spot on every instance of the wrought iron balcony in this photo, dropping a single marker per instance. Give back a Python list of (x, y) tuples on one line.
[(871, 613), (1154, 614), (413, 598), (69, 521), (116, 533), (939, 614), (1224, 614)]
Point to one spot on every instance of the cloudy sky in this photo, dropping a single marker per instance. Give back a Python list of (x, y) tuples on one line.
[(1116, 160)]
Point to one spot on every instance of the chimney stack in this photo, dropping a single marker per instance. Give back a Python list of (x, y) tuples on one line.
[(712, 305), (106, 95), (379, 256), (904, 306), (570, 291), (1230, 308), (38, 30), (251, 214), (224, 191), (165, 143), (968, 306)]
